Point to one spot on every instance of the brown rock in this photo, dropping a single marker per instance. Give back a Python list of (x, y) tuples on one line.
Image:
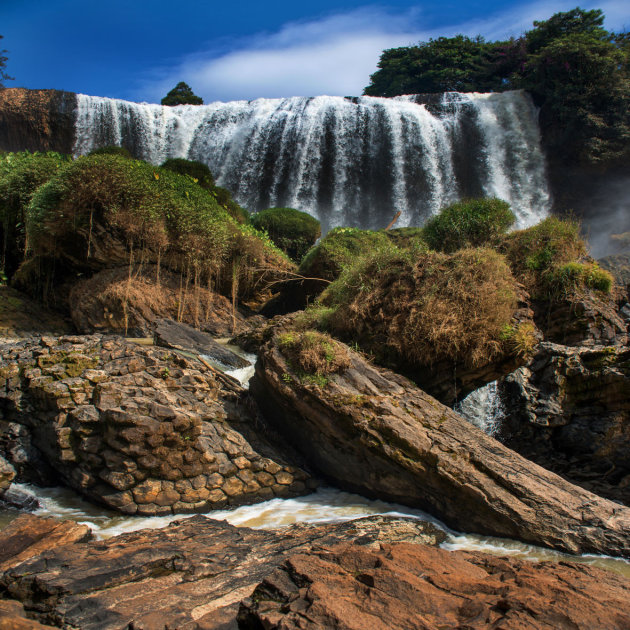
[(27, 536), (151, 417), (373, 432), (414, 587), (194, 571)]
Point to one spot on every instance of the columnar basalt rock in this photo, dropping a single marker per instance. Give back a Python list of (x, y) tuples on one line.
[(140, 429), (372, 431), (569, 410)]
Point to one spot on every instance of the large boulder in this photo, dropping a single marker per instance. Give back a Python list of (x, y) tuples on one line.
[(415, 587), (568, 410), (140, 429), (191, 574), (372, 431)]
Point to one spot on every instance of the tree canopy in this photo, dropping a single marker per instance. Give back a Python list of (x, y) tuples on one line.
[(3, 64), (182, 94), (577, 72)]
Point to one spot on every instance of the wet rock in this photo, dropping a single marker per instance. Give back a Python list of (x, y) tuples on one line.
[(133, 427), (192, 573), (111, 302), (373, 432), (414, 587), (568, 410), (7, 475), (170, 334)]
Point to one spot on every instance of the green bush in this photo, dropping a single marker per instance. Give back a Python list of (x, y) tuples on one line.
[(294, 232), (158, 215), (181, 94), (199, 172), (468, 223), (224, 199), (341, 247), (536, 253), (20, 176), (572, 278), (112, 149)]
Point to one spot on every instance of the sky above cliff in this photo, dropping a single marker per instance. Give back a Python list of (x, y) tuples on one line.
[(138, 50)]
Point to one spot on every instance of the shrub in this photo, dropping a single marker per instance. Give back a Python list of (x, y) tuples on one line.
[(339, 248), (313, 354), (294, 232), (572, 278), (158, 215), (181, 94), (469, 223), (416, 312), (20, 176), (537, 253), (224, 199), (113, 150), (198, 171)]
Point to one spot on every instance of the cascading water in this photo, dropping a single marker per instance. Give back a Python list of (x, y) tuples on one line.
[(483, 408), (347, 161)]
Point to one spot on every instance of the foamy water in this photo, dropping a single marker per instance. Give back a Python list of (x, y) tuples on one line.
[(326, 505)]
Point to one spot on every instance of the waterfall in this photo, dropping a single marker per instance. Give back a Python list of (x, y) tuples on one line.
[(347, 161), (483, 408)]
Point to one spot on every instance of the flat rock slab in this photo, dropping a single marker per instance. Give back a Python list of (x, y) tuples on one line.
[(414, 587), (170, 334), (191, 574)]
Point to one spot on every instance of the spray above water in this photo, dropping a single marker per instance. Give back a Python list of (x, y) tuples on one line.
[(352, 162)]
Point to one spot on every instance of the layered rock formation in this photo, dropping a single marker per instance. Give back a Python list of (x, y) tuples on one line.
[(569, 410), (415, 587), (374, 432), (140, 429), (191, 574)]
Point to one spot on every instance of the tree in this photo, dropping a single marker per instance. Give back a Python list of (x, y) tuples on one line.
[(182, 94), (445, 64), (3, 64)]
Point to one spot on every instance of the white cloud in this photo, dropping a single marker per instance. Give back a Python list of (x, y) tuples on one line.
[(336, 54)]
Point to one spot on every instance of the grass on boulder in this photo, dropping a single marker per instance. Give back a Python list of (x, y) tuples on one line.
[(294, 232), (468, 223), (313, 355), (551, 260), (418, 310), (104, 210)]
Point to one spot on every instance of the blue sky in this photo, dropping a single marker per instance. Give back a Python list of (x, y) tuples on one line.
[(138, 50)]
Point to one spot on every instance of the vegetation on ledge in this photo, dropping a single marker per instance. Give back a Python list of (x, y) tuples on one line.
[(294, 232)]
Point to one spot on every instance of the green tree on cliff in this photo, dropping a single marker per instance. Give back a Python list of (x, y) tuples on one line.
[(3, 64), (182, 94)]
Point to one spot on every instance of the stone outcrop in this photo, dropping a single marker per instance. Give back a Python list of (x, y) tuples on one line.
[(13, 617), (415, 587), (111, 302), (170, 334), (585, 321), (191, 574), (373, 432), (37, 120), (569, 410), (140, 429)]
